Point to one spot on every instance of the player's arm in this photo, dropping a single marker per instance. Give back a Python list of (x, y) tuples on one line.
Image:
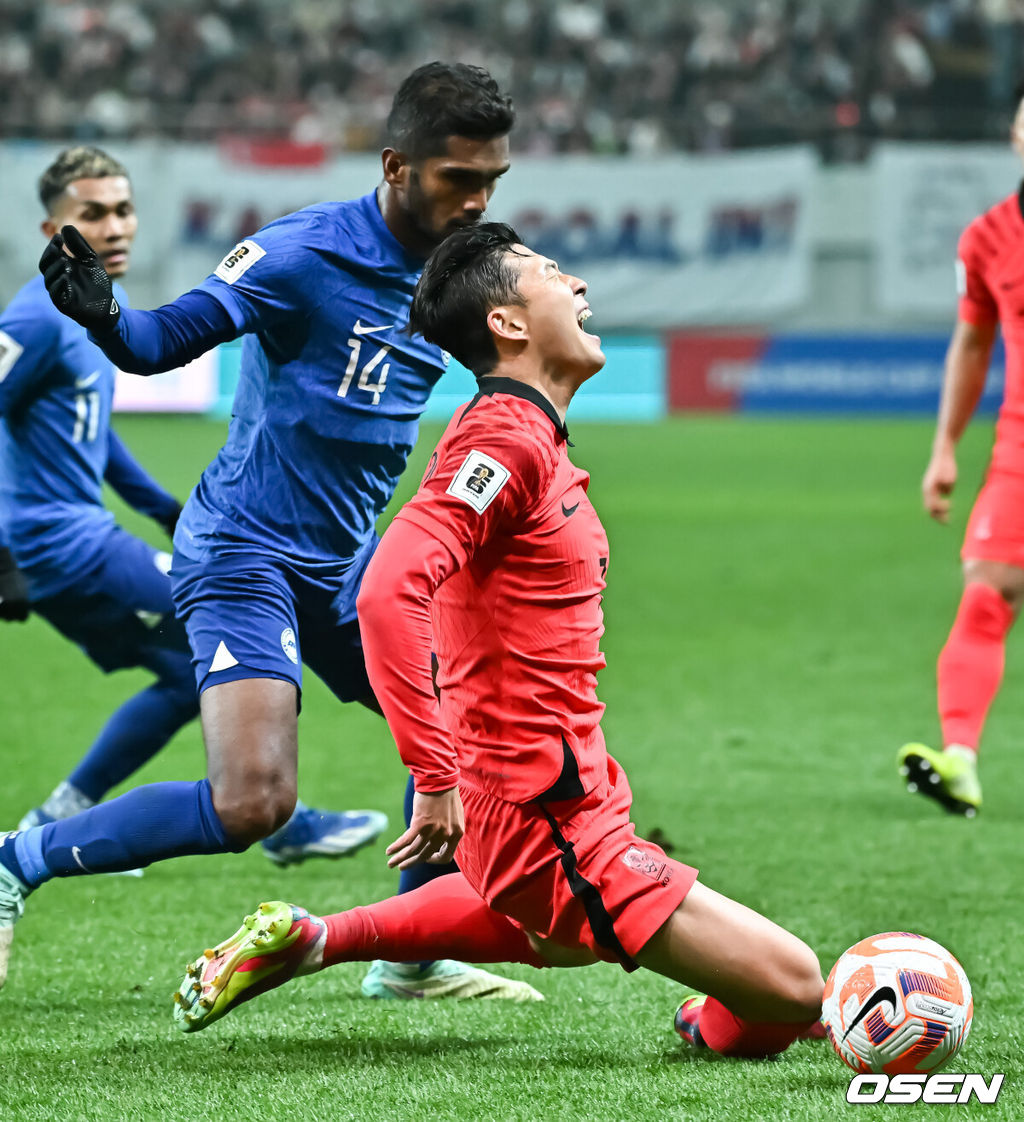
[(967, 363), (966, 368), (26, 355), (248, 291), (136, 341), (482, 482), (138, 489), (408, 567)]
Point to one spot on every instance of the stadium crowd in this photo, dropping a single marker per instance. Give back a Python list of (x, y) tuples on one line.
[(587, 75)]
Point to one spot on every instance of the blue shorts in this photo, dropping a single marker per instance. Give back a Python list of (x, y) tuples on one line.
[(254, 615), (120, 612)]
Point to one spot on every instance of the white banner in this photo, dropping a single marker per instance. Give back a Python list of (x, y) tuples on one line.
[(662, 243), (924, 196), (189, 389)]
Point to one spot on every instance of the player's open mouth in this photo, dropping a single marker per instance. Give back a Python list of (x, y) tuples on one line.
[(581, 318)]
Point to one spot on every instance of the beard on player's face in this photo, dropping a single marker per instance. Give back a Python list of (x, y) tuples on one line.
[(422, 209)]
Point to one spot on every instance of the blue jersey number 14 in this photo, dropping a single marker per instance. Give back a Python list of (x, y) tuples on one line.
[(364, 383)]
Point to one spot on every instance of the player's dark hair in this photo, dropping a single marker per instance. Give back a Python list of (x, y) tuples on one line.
[(465, 277), (444, 99), (80, 162)]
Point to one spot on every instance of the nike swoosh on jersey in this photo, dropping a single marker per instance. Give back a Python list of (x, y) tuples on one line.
[(569, 511), (77, 854), (367, 329), (84, 383), (884, 993)]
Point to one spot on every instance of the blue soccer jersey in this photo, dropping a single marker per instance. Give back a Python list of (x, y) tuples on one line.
[(57, 447), (331, 388)]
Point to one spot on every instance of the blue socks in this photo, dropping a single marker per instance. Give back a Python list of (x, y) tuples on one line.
[(134, 734), (144, 825)]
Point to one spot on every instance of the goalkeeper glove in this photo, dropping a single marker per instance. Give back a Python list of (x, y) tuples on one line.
[(13, 589), (79, 285)]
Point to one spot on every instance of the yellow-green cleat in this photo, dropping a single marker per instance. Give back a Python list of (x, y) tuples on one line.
[(276, 943), (949, 777)]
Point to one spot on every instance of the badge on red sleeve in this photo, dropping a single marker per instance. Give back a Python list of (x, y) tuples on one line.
[(479, 479)]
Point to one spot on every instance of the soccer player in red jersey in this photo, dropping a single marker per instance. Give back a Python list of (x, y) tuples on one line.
[(498, 564), (990, 281)]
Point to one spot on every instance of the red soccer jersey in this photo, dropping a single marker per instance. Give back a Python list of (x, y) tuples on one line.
[(517, 625), (990, 282)]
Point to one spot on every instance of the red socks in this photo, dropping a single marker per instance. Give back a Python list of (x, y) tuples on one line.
[(970, 667), (730, 1035), (443, 919)]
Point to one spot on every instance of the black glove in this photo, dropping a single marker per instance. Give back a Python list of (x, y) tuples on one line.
[(170, 523), (79, 285), (13, 589)]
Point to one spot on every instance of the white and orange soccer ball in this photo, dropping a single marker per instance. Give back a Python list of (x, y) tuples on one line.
[(897, 1003)]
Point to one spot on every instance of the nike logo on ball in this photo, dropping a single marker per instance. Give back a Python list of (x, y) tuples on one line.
[(884, 993)]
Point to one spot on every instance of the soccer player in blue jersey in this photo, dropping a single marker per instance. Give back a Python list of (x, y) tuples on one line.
[(61, 552), (99, 586), (273, 541)]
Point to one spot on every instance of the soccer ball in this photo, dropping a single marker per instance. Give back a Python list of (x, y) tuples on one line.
[(897, 1003)]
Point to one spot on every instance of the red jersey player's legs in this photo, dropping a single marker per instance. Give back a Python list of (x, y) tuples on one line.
[(995, 529), (970, 666), (576, 874), (573, 872)]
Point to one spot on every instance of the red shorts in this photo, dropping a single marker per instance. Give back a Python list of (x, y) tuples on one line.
[(995, 530), (572, 871)]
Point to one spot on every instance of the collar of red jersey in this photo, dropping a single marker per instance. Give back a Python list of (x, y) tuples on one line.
[(489, 385)]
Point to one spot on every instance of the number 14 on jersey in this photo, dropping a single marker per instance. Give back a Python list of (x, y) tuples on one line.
[(367, 370)]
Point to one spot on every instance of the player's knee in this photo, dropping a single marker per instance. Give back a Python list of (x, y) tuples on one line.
[(803, 985), (254, 812)]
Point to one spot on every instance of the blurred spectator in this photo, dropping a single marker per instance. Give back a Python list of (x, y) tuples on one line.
[(587, 75)]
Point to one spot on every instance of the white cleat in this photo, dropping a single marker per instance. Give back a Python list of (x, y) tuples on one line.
[(443, 978), (12, 905)]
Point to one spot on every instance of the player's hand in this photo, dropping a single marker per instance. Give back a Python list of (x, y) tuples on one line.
[(13, 589), (78, 284), (434, 832), (938, 483)]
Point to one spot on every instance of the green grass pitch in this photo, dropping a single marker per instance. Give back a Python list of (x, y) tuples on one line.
[(776, 602)]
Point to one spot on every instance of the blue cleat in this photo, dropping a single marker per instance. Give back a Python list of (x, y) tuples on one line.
[(323, 833)]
